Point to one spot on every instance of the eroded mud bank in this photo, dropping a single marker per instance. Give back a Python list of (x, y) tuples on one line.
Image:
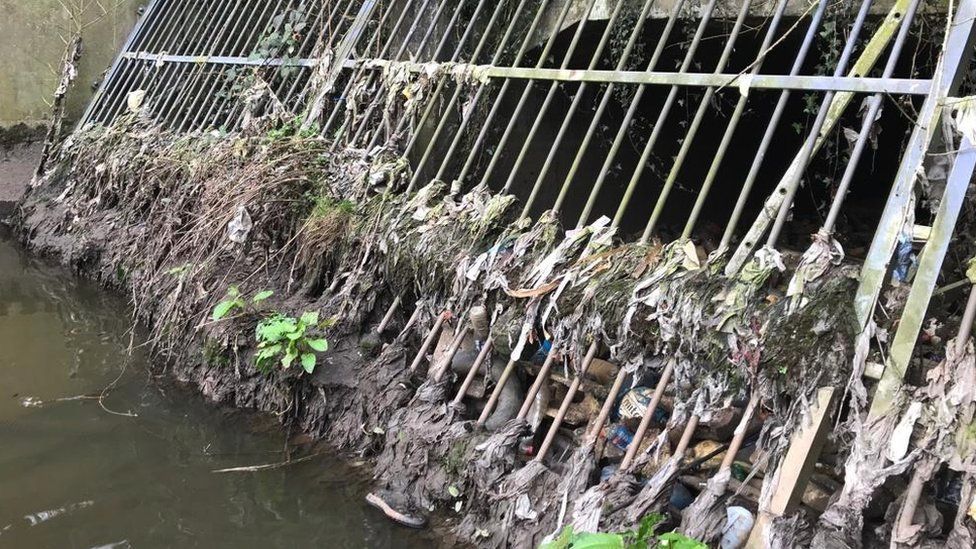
[(175, 221)]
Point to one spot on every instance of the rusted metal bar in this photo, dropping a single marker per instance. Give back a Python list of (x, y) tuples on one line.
[(445, 364), (608, 403), (526, 42), (359, 70), (428, 341), (581, 91), (561, 414), (388, 317), (662, 384), (659, 125), (540, 379), (331, 30), (473, 370), (597, 119), (421, 47)]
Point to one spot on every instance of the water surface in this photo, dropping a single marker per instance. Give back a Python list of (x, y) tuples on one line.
[(75, 475)]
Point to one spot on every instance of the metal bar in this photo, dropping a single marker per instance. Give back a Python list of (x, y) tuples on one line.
[(191, 98), (482, 356), (421, 11), (349, 40), (929, 266), (515, 117), (578, 99), (443, 78), (136, 34), (541, 378), (388, 317), (868, 122), (608, 404), (428, 341), (662, 383), (771, 126), (808, 149), (554, 87), (361, 68), (421, 47), (106, 110), (561, 414), (948, 74), (740, 107), (243, 41), (500, 96), (597, 119), (827, 119), (686, 142), (445, 365)]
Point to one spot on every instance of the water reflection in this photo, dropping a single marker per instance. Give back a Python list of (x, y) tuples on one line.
[(72, 475)]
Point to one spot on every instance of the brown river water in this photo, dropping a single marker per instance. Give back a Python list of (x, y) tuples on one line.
[(74, 475)]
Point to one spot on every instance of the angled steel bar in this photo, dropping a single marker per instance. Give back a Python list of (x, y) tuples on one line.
[(767, 139), (421, 47), (208, 11), (826, 121), (138, 32), (665, 111), (597, 119), (473, 370), (515, 117), (238, 48), (349, 40), (808, 150), (191, 97), (374, 40), (648, 415), (500, 96), (581, 92), (740, 107), (106, 110), (496, 58), (442, 79), (956, 57), (697, 120), (929, 266), (659, 125), (557, 421), (398, 56), (554, 87), (540, 379), (874, 105)]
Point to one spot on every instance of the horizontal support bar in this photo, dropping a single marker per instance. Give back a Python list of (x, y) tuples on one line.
[(896, 86), (219, 60)]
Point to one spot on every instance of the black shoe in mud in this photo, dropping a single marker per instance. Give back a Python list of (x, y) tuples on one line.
[(396, 508)]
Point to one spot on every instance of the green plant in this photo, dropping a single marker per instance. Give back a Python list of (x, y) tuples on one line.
[(233, 300), (642, 538), (285, 339)]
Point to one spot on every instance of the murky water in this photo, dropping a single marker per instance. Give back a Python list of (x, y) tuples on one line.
[(75, 475)]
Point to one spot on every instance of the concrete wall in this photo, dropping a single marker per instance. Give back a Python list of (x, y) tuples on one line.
[(31, 49)]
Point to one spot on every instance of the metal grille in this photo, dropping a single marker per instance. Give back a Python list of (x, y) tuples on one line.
[(497, 77)]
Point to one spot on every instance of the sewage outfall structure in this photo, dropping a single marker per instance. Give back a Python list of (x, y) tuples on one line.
[(559, 267)]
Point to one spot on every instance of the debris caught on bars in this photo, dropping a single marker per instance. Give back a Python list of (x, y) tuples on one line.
[(531, 378)]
